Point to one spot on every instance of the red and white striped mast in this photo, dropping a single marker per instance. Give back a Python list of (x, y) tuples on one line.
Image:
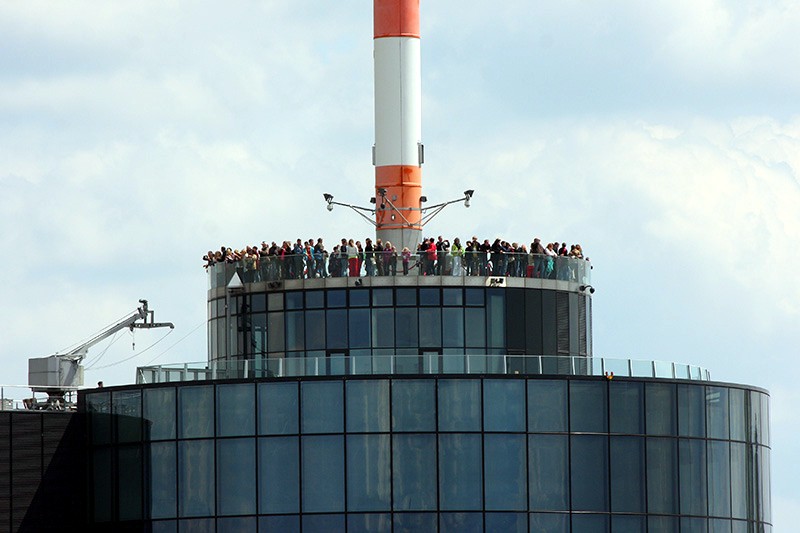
[(398, 151)]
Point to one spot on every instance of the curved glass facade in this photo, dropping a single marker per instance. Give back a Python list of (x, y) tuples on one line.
[(431, 453), (318, 320)]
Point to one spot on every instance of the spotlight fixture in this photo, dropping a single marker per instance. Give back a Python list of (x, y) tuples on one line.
[(423, 199), (329, 199), (584, 288), (372, 200), (467, 195)]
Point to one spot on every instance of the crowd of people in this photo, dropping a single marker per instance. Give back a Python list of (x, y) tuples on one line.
[(433, 257)]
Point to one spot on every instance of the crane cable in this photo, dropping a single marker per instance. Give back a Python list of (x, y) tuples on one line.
[(134, 355)]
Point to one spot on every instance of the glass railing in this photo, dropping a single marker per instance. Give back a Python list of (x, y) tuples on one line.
[(274, 268), (418, 364)]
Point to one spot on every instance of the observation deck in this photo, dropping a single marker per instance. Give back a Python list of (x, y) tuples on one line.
[(484, 364)]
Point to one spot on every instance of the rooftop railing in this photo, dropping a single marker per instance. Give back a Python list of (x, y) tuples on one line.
[(276, 268), (418, 364)]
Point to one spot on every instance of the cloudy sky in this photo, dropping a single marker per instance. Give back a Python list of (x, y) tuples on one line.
[(663, 136)]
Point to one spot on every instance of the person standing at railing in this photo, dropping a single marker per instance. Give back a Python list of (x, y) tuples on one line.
[(539, 258), (406, 256), (352, 258), (457, 252), (360, 257), (390, 259), (320, 259), (430, 270), (442, 247), (369, 257), (297, 259), (379, 257), (469, 258), (550, 261)]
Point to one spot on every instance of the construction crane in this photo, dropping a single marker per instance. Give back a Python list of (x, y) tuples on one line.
[(60, 374)]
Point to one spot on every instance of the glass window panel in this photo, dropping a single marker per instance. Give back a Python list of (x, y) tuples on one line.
[(127, 406), (275, 301), (258, 333), (475, 327), (764, 484), (691, 411), (662, 476), (452, 296), (590, 523), (337, 298), (322, 407), (429, 297), (196, 477), (360, 297), (360, 328), (239, 524), (383, 328), (414, 522), (719, 478), (692, 455), (504, 405), (738, 480), (627, 475), (588, 406), (315, 330), (277, 408), (589, 478), (368, 473), (660, 413), (694, 525), (662, 524), (407, 297), (719, 526), (278, 475), (549, 472), (547, 405), (414, 472), (474, 297), (295, 330), (323, 474), (406, 327), (755, 417), (738, 414), (236, 409), (459, 405), (739, 526), (129, 482), (382, 297), (507, 522), (294, 300), (236, 476), (162, 480), (460, 472), (764, 419), (196, 408), (628, 524), (717, 412), (336, 329), (315, 299), (164, 526), (430, 327), (98, 405), (102, 484), (453, 327), (549, 523), (279, 524), (414, 405), (626, 399), (324, 523), (496, 318), (275, 335), (198, 525), (367, 405), (369, 523), (504, 472), (460, 523)]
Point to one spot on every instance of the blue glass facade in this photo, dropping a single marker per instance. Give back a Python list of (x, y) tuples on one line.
[(431, 453)]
